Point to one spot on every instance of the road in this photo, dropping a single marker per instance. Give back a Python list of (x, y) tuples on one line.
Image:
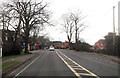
[(64, 63)]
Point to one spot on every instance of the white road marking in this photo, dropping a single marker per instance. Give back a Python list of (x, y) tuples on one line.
[(78, 68), (26, 67), (92, 74), (15, 71), (85, 74), (74, 66), (69, 66)]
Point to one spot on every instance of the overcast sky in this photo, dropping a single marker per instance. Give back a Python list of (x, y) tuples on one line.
[(99, 18)]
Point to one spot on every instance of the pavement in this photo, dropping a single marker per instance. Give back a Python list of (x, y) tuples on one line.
[(19, 58), (23, 57), (114, 58)]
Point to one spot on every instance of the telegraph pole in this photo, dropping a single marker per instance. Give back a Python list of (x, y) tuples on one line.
[(119, 18), (114, 30)]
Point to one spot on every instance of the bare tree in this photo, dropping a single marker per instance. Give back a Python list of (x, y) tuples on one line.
[(79, 23), (29, 15), (68, 27), (73, 23), (4, 19)]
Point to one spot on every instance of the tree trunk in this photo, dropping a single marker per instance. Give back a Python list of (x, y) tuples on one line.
[(26, 45), (70, 47), (69, 44), (76, 39), (26, 40)]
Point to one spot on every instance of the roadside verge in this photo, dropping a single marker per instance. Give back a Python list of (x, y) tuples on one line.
[(19, 62)]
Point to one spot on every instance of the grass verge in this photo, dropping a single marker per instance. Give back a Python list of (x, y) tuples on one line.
[(9, 57), (13, 56), (9, 64)]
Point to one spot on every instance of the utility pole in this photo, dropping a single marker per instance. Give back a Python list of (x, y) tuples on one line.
[(114, 30), (119, 18)]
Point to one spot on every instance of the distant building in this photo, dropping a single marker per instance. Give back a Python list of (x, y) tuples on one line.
[(7, 36), (100, 45), (7, 42), (119, 18), (66, 44), (58, 44)]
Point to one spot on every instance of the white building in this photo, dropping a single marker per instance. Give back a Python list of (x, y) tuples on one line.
[(119, 18)]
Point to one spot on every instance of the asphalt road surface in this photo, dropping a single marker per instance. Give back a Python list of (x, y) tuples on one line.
[(64, 63)]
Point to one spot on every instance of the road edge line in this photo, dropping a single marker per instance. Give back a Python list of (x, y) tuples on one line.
[(26, 67)]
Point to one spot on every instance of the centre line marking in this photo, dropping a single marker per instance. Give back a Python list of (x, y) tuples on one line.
[(78, 68), (92, 74), (77, 74), (85, 74)]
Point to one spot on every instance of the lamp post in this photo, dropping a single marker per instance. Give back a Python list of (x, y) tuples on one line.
[(114, 30)]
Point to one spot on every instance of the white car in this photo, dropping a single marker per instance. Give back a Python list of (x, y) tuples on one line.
[(51, 48)]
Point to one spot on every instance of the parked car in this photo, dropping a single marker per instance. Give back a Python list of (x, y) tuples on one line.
[(51, 48)]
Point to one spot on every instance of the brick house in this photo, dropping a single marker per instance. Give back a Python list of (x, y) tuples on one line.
[(100, 44), (58, 44)]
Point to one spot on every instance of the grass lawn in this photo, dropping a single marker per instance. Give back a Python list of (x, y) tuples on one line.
[(9, 64)]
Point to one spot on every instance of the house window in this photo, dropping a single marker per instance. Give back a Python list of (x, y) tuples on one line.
[(101, 44)]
